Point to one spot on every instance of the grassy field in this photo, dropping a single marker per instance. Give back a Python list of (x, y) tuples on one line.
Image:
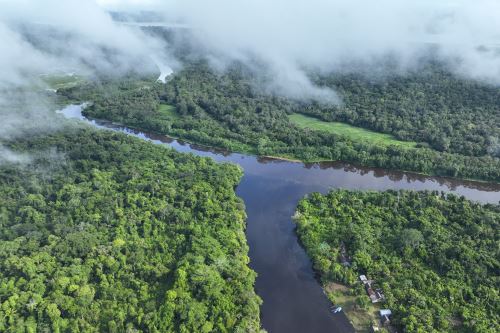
[(56, 81), (168, 111), (354, 133), (361, 319)]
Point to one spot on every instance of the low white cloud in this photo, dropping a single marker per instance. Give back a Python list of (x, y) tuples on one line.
[(57, 36), (290, 37), (132, 4), (293, 35), (74, 33), (9, 156)]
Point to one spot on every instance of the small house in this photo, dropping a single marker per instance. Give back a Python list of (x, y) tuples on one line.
[(372, 295), (379, 294), (384, 317), (375, 295), (385, 312)]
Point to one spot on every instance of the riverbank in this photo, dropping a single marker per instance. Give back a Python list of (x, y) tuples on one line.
[(360, 318), (269, 133), (248, 150), (75, 111)]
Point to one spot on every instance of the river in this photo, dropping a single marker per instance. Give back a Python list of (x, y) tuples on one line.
[(293, 299)]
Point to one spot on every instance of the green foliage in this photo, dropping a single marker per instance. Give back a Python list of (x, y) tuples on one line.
[(428, 104), (122, 236), (226, 111), (435, 256), (362, 302), (410, 238), (130, 100)]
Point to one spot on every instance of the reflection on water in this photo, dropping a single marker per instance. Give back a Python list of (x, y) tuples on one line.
[(293, 300)]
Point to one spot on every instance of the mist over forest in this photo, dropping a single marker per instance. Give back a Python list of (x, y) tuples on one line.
[(113, 218), (287, 38), (282, 42)]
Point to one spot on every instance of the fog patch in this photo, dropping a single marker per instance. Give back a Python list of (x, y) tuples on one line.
[(61, 37), (294, 37), (24, 113), (292, 82), (9, 156)]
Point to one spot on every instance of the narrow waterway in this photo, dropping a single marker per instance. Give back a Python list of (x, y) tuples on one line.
[(293, 299)]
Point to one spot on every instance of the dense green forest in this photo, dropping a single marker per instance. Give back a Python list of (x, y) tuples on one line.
[(108, 233), (430, 105), (228, 111), (435, 256)]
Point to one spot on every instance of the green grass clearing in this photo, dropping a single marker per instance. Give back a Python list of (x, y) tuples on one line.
[(58, 81), (168, 111), (352, 132), (361, 319)]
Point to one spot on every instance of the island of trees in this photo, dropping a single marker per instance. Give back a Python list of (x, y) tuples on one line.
[(102, 232), (435, 257)]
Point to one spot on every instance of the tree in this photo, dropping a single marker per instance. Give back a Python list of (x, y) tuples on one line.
[(410, 238)]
